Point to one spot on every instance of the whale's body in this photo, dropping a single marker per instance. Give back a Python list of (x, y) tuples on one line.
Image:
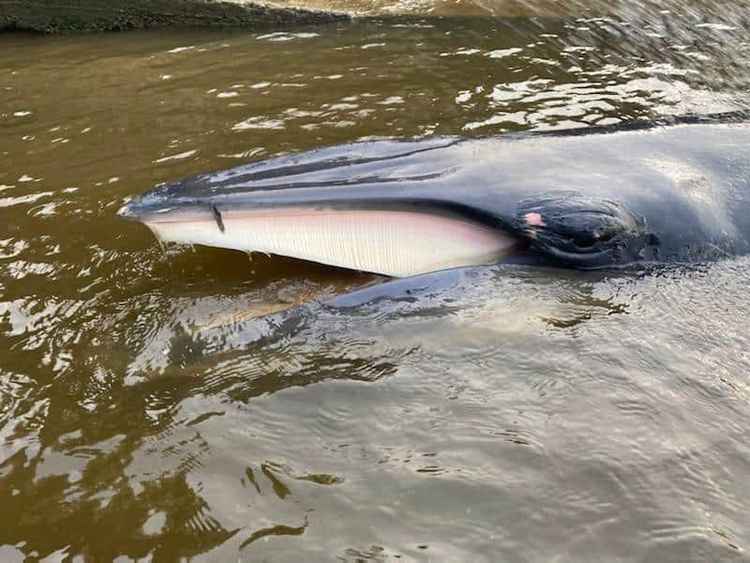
[(586, 198)]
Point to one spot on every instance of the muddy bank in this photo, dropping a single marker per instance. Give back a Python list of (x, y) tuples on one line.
[(68, 16)]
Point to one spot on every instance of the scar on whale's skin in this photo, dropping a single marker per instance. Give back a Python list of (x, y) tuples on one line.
[(534, 220)]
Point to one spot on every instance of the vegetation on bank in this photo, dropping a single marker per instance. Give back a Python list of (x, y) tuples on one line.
[(69, 16)]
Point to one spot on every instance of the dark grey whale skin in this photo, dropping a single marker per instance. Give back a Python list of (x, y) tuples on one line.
[(583, 198)]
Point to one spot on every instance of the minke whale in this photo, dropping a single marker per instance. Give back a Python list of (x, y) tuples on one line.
[(599, 197)]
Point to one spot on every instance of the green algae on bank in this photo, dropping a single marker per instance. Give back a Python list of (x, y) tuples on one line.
[(54, 16)]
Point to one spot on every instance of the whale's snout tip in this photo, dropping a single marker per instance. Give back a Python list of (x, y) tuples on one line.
[(134, 210), (126, 211), (141, 208), (160, 201)]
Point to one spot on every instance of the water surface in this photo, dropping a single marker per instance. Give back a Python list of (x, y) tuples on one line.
[(148, 409)]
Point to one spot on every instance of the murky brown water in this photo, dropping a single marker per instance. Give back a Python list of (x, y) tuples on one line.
[(528, 415)]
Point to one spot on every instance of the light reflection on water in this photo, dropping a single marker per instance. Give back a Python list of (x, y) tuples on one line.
[(147, 408)]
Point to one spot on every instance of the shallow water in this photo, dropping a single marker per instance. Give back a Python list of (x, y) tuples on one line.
[(147, 410)]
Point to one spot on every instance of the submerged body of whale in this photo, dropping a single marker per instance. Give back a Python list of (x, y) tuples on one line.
[(585, 198)]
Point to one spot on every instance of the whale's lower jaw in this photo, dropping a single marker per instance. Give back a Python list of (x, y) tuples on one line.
[(390, 242)]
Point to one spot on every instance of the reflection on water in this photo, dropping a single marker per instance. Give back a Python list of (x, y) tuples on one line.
[(174, 402)]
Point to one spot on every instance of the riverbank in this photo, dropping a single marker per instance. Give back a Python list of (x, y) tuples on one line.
[(74, 16)]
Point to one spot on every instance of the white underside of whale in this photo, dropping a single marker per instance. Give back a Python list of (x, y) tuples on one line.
[(389, 242)]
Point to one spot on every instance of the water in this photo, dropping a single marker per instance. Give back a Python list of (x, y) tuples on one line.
[(148, 409)]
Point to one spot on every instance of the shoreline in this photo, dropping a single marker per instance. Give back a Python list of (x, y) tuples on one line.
[(87, 16)]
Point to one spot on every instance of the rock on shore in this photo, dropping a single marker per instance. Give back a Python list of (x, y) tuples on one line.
[(65, 16)]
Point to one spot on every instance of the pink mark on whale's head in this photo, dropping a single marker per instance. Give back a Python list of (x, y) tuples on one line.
[(534, 219)]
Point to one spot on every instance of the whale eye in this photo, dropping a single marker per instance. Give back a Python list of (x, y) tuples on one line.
[(582, 231), (587, 243)]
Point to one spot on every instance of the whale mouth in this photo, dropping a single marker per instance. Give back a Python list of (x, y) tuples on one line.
[(398, 239), (389, 207)]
